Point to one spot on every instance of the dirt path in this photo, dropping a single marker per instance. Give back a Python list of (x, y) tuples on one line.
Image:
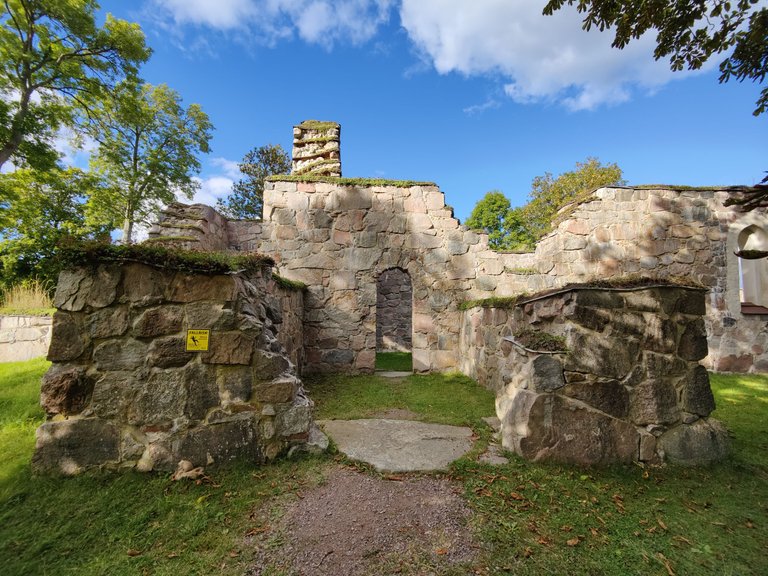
[(358, 524)]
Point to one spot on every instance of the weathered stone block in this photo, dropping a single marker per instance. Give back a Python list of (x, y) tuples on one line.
[(202, 390), (296, 419), (83, 287), (123, 354), (159, 400), (229, 348), (143, 285), (235, 383), (169, 352), (158, 322), (112, 394), (654, 401), (693, 342), (65, 390), (546, 374), (607, 396), (597, 354), (108, 322), (697, 394), (278, 391), (220, 442), (70, 446), (69, 339), (193, 288), (703, 442)]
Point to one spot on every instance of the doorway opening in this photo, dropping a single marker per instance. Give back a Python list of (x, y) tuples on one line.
[(394, 311)]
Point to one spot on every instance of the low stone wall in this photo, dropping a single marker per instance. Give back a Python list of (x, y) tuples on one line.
[(627, 386), (24, 337), (125, 390)]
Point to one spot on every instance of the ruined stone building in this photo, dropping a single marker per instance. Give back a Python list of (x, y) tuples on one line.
[(581, 373), (349, 240)]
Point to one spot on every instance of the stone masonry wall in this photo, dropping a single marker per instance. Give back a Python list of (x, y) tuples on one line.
[(124, 391), (394, 303), (24, 337), (629, 386), (664, 233), (316, 149)]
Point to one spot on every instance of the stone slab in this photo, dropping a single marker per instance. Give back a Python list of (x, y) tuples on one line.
[(399, 445)]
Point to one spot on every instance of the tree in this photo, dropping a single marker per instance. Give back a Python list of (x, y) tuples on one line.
[(39, 211), (495, 216), (689, 32), (520, 228), (54, 60), (247, 197), (548, 194), (147, 149)]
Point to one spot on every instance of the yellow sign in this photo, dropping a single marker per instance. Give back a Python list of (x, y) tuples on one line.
[(197, 340)]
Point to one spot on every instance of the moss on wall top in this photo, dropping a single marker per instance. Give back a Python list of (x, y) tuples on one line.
[(318, 125), (189, 261), (366, 182)]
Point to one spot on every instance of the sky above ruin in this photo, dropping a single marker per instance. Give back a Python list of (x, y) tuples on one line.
[(474, 96)]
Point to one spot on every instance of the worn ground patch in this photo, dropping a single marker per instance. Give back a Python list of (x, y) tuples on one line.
[(358, 524)]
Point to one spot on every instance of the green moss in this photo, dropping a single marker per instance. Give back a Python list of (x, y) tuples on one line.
[(540, 341), (288, 284), (506, 302), (171, 239), (317, 140), (181, 226), (189, 261), (361, 182), (679, 188), (318, 125), (522, 271)]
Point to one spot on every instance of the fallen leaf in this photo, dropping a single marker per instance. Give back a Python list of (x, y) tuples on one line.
[(172, 555), (573, 541), (543, 540), (394, 478), (528, 552), (661, 523), (749, 524), (666, 563), (683, 539), (566, 528), (593, 531), (133, 552), (257, 530), (441, 551), (234, 553), (517, 496)]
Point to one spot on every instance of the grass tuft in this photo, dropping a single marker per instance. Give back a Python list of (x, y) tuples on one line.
[(27, 296)]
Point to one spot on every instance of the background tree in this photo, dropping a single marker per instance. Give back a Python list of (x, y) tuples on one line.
[(53, 60), (548, 194), (689, 32), (247, 197), (520, 228), (39, 211), (147, 150)]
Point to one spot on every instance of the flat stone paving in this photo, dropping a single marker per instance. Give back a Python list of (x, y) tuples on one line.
[(399, 445)]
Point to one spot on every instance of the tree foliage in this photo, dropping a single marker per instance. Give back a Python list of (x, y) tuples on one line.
[(39, 212), (247, 197), (520, 228), (54, 60), (147, 149), (689, 32)]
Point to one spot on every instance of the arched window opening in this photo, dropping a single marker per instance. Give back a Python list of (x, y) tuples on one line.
[(394, 309), (753, 270)]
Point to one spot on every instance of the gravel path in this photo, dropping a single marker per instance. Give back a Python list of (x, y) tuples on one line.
[(358, 524)]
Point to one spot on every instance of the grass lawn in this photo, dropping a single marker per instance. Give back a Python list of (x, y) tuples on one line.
[(394, 361), (531, 519)]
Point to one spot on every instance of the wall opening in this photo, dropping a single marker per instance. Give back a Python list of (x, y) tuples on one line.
[(753, 270), (394, 311)]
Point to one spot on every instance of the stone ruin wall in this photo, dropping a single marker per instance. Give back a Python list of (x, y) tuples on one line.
[(339, 238), (123, 391), (24, 337), (628, 388), (664, 233), (394, 295)]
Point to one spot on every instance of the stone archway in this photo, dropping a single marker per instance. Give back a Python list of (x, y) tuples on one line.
[(394, 311)]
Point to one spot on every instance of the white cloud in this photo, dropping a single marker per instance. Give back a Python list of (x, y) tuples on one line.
[(323, 22), (211, 189), (540, 58)]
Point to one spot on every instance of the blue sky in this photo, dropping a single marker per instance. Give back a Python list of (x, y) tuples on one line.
[(474, 96)]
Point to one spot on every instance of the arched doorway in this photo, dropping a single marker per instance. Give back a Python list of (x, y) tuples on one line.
[(394, 311), (753, 268)]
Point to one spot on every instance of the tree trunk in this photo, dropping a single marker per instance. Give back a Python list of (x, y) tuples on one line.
[(127, 232)]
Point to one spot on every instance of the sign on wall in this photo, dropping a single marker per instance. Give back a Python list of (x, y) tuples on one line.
[(197, 340)]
